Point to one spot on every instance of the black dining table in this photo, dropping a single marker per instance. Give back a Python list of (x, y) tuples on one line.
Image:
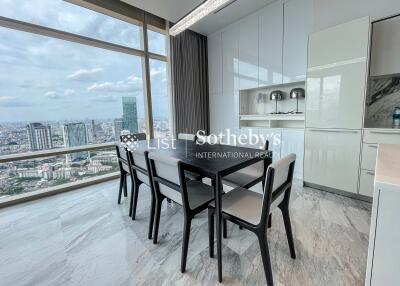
[(213, 161)]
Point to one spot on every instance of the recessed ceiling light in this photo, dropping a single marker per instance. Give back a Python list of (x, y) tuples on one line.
[(205, 8)]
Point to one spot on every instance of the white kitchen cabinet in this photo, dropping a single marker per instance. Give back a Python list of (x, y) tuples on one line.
[(230, 58), (332, 158), (367, 183), (218, 121), (215, 63), (270, 44), (335, 96), (274, 138), (384, 247), (340, 44), (369, 156), (385, 58), (292, 141), (248, 52), (298, 24)]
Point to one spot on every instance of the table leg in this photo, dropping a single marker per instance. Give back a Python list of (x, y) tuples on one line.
[(219, 226)]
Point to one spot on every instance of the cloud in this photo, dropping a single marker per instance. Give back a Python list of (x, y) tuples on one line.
[(8, 101), (56, 95), (157, 71), (132, 84), (69, 92), (84, 74), (51, 94)]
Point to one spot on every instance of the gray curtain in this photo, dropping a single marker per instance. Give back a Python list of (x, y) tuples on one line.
[(189, 79)]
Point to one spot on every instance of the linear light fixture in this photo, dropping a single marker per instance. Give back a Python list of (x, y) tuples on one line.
[(204, 9)]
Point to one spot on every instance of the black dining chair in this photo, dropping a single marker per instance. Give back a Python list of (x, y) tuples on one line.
[(169, 181), (124, 170), (139, 166), (251, 210), (125, 143)]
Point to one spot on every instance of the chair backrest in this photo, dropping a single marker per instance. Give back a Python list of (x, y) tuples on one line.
[(278, 184), (187, 136), (260, 167), (129, 138), (138, 164), (168, 177), (122, 155)]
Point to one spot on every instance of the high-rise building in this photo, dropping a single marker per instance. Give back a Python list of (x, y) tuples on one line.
[(75, 134), (39, 136), (129, 115), (117, 127)]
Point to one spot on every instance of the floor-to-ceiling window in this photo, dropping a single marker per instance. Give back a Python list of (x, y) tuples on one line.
[(70, 77)]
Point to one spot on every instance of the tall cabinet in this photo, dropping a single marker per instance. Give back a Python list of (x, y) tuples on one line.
[(336, 86)]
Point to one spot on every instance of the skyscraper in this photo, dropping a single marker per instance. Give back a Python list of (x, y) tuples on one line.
[(39, 136), (117, 127), (75, 134), (129, 116)]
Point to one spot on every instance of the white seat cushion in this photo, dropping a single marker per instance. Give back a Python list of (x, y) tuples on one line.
[(245, 175), (198, 193), (245, 204)]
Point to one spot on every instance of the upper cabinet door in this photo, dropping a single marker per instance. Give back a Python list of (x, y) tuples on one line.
[(230, 59), (336, 79), (298, 24), (385, 45), (270, 44), (215, 63), (248, 52), (339, 44)]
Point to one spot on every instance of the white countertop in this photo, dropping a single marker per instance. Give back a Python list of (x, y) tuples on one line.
[(387, 171)]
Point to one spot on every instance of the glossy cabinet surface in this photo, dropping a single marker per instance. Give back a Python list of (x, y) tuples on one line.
[(385, 267), (215, 63), (332, 157), (270, 44), (369, 156), (230, 58), (347, 42), (335, 96), (366, 183), (298, 23), (248, 52), (274, 138), (292, 141), (382, 136)]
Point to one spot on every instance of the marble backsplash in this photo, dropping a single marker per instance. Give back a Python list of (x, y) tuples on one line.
[(383, 96)]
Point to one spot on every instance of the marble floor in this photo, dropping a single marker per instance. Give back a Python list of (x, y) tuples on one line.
[(85, 238)]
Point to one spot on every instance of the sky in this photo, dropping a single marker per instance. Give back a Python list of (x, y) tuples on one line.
[(45, 79)]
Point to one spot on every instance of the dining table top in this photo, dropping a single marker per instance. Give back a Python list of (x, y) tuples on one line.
[(209, 159)]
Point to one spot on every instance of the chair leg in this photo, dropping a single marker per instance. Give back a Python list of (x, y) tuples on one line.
[(288, 228), (270, 221), (224, 230), (185, 244), (157, 219), (211, 231), (151, 222), (121, 183), (125, 186), (131, 199), (262, 240), (135, 199)]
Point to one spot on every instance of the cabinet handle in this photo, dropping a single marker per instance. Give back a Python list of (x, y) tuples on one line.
[(334, 130), (386, 131), (373, 146), (370, 173)]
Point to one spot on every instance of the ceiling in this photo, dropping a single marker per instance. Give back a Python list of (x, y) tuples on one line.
[(173, 10)]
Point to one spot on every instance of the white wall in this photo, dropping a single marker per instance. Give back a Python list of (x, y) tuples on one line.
[(329, 13)]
